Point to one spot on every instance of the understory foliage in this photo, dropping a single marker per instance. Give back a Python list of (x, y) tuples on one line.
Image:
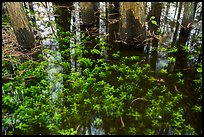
[(122, 93)]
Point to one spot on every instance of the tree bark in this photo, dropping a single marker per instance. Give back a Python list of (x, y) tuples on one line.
[(20, 24), (132, 23)]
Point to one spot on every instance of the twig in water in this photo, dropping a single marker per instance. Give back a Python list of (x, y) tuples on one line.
[(139, 99), (78, 127), (121, 119), (175, 88)]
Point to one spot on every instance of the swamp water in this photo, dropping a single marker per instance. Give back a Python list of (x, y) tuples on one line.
[(107, 123)]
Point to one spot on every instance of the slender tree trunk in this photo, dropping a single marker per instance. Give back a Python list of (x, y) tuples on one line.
[(195, 6), (176, 9), (165, 16), (20, 24), (78, 34), (75, 37), (103, 27), (167, 10), (197, 30), (200, 17), (72, 42), (156, 9), (181, 59), (177, 23), (171, 65), (132, 23)]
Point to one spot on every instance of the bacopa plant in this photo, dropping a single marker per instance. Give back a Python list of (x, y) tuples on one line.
[(124, 93)]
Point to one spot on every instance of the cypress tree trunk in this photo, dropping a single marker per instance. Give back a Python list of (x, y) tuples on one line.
[(20, 24), (132, 23)]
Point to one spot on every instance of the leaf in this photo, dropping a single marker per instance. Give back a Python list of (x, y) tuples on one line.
[(164, 71), (102, 74), (96, 39), (135, 58), (163, 49), (95, 51), (185, 48), (171, 59), (172, 50), (152, 17), (86, 61), (115, 55), (199, 70), (154, 22)]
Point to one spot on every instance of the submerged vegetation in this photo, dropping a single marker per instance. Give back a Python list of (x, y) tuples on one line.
[(115, 95)]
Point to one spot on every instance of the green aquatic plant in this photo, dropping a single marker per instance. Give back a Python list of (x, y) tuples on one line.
[(123, 92)]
